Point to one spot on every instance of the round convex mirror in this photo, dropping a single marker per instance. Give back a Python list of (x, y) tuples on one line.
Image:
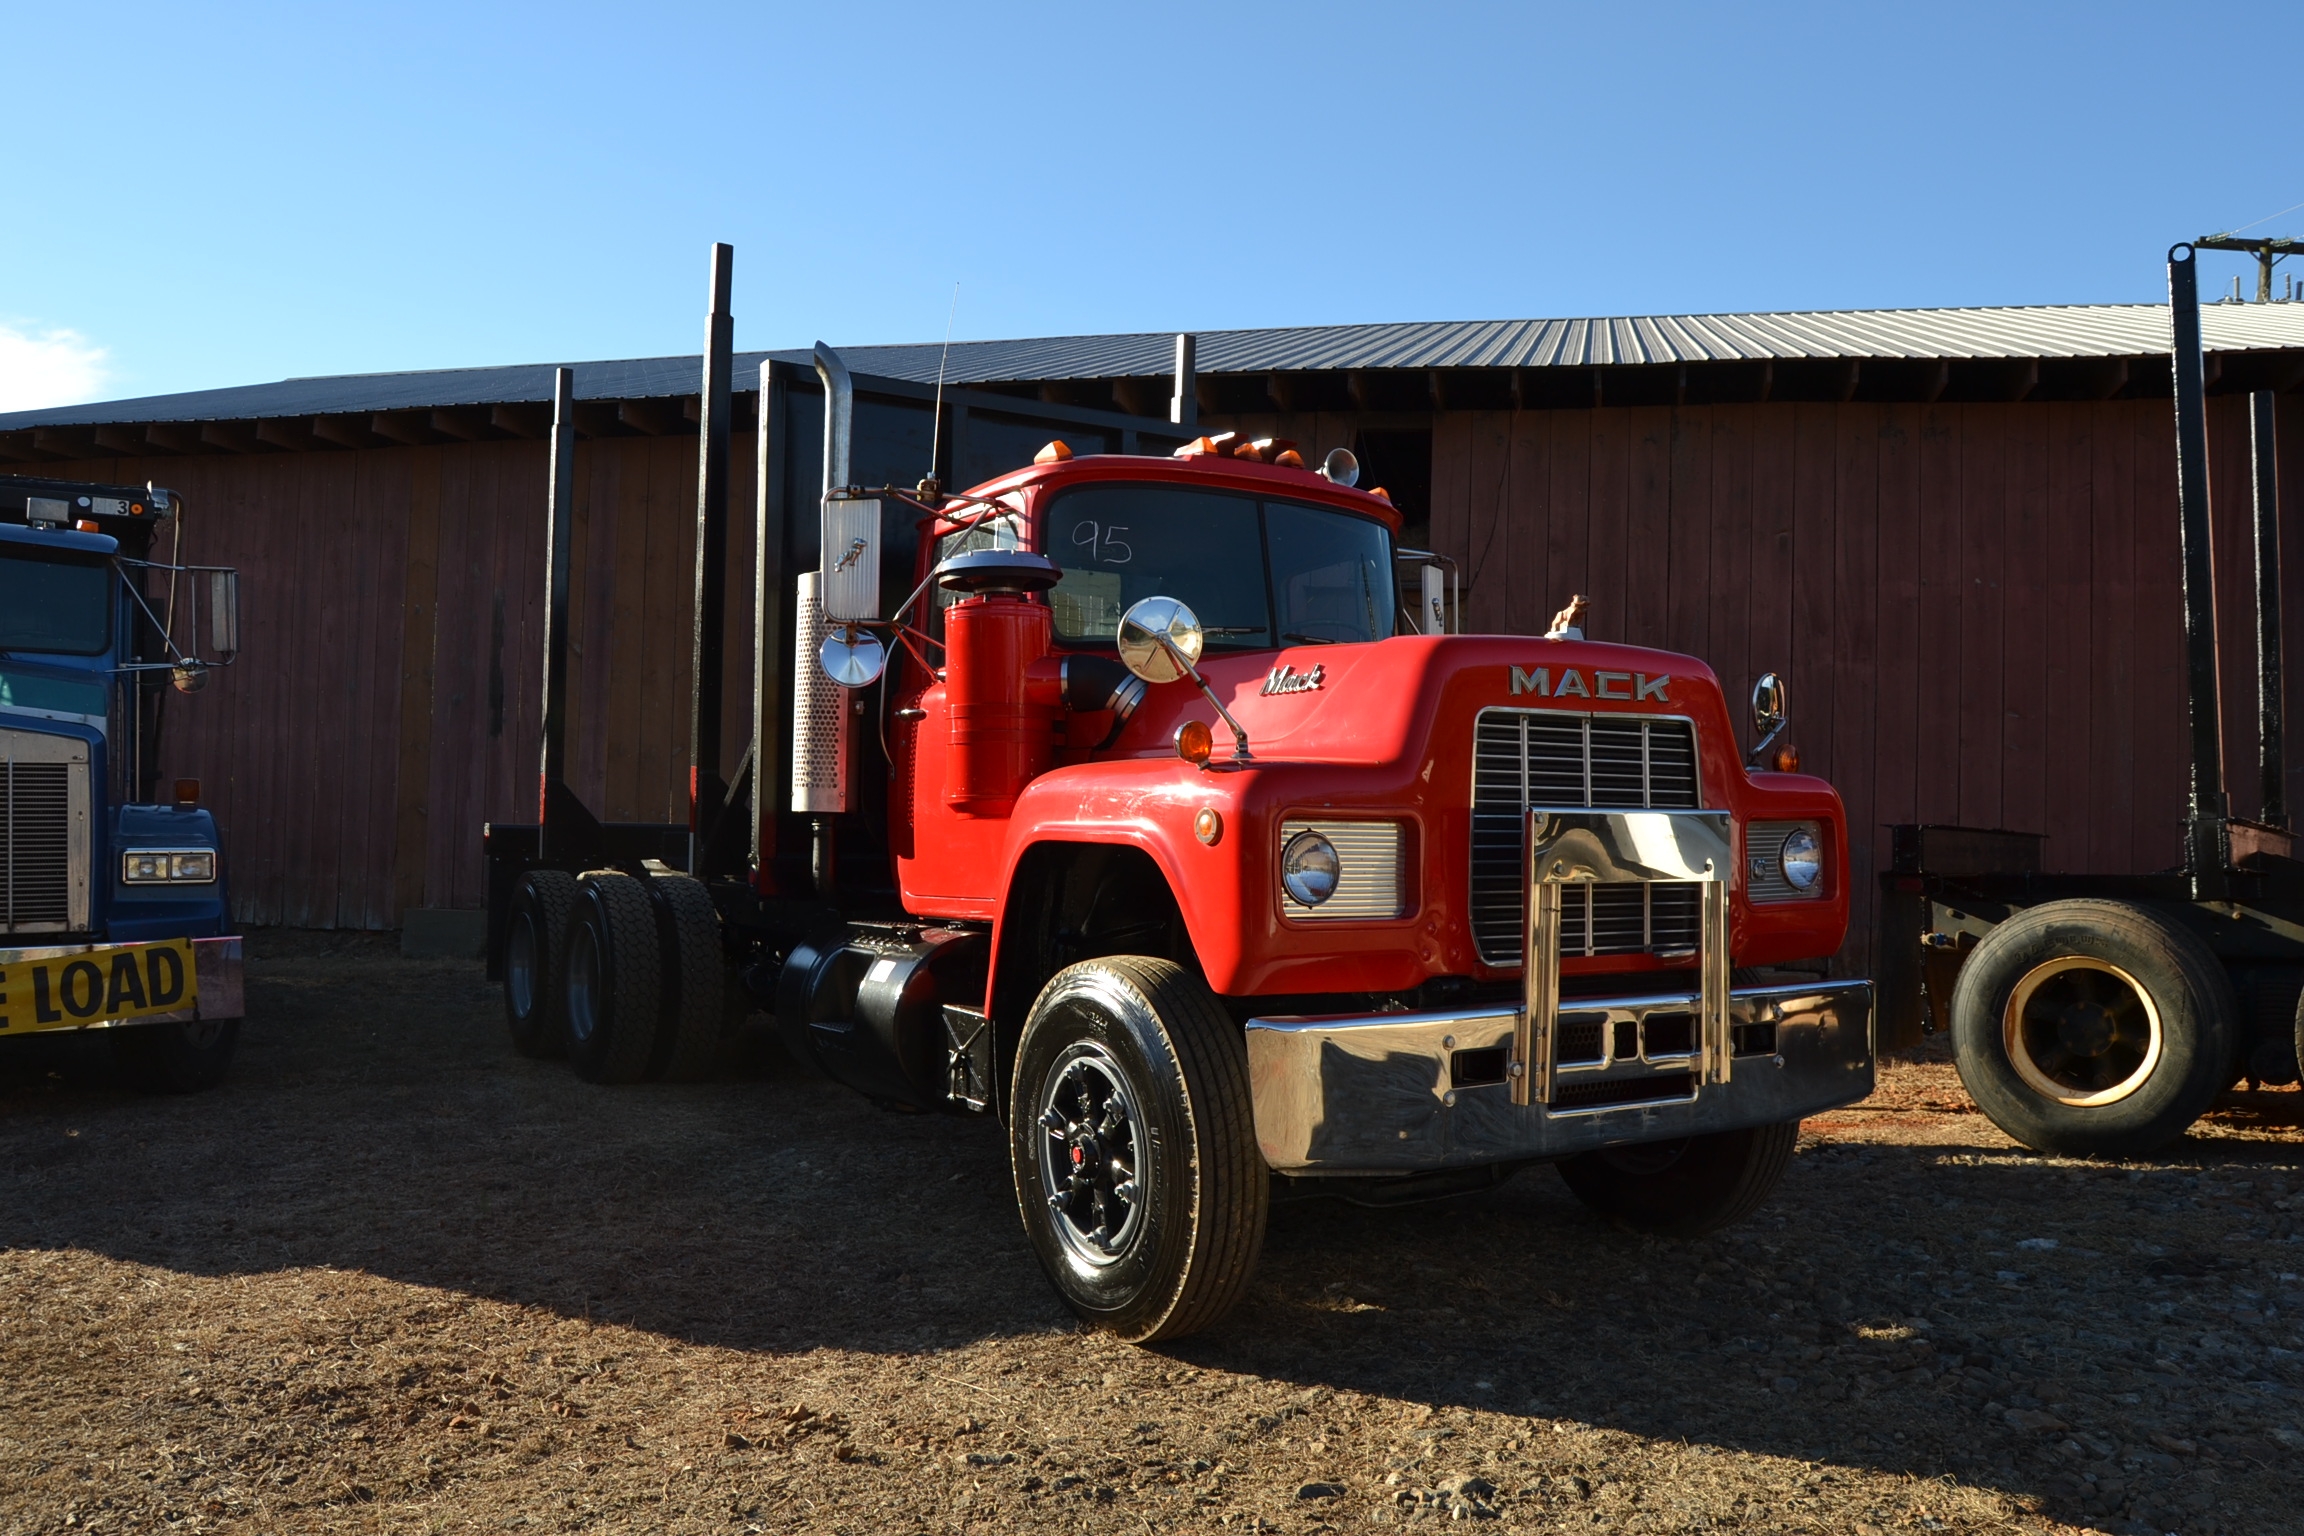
[(1769, 703), (1141, 630), (853, 658)]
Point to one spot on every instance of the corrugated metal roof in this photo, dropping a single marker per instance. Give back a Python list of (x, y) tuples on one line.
[(2043, 331)]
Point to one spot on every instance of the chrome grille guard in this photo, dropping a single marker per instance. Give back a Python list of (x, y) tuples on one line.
[(1572, 846)]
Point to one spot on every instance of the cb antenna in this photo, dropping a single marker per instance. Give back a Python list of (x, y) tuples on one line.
[(936, 428)]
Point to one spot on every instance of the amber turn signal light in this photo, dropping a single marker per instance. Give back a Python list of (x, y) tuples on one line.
[(1208, 826), (1194, 742), (1055, 453), (1787, 759), (89, 525)]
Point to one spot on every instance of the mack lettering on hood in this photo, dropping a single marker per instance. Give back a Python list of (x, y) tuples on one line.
[(1570, 684)]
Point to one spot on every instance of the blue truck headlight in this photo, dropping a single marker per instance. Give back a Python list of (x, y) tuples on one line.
[(168, 866), (1801, 857)]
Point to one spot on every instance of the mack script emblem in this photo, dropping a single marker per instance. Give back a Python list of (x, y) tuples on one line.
[(1286, 679), (1570, 684)]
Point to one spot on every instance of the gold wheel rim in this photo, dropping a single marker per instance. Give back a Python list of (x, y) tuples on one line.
[(2082, 1032)]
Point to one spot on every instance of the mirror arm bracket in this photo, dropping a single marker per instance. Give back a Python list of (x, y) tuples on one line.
[(1240, 753)]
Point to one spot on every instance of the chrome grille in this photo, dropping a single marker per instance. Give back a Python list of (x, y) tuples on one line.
[(43, 833), (1532, 757)]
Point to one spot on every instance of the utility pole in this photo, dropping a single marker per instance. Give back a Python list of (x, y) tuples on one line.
[(2266, 252)]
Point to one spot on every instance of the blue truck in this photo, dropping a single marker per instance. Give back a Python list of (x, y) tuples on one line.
[(114, 909)]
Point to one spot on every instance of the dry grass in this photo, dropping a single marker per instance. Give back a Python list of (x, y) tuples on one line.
[(393, 1278)]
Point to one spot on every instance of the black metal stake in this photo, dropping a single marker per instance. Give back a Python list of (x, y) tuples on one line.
[(2207, 848), (706, 790), (559, 536), (770, 771), (2271, 711)]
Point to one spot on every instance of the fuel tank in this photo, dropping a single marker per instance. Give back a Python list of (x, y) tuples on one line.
[(867, 1007)]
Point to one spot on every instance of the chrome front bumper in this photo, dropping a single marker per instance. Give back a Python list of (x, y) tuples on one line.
[(1403, 1092), (1396, 1093)]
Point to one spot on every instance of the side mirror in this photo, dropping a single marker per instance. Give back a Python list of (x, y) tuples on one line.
[(224, 614), (1771, 711), (1160, 639), (853, 658), (850, 583)]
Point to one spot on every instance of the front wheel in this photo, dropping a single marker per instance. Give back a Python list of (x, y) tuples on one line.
[(1686, 1187), (1133, 1146), (2093, 1028), (176, 1058)]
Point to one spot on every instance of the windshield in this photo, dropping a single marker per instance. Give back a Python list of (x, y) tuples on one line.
[(1257, 572), (54, 605)]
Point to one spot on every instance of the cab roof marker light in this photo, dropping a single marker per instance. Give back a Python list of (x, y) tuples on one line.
[(1055, 453)]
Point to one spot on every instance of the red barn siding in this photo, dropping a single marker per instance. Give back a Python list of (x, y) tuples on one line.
[(378, 713), (1976, 605)]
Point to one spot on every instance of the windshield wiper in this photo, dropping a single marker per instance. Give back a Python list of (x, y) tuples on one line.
[(1310, 639)]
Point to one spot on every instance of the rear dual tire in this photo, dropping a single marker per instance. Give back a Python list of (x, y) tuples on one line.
[(536, 963), (644, 989)]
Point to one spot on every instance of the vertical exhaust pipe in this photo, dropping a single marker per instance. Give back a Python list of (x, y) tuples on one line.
[(821, 720), (2271, 702), (2207, 844), (706, 791)]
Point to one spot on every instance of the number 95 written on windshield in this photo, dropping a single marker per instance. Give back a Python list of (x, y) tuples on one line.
[(1103, 542)]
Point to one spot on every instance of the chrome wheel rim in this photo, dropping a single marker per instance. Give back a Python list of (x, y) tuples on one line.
[(520, 967), (583, 983), (1091, 1135), (2082, 1032)]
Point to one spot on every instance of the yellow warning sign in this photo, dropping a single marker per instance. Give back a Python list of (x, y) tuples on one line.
[(104, 984)]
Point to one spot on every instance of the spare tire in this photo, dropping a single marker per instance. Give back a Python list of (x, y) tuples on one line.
[(2093, 1028)]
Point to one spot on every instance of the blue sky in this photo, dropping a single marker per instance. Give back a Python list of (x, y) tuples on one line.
[(224, 194)]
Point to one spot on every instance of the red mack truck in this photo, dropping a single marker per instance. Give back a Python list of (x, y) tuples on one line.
[(1139, 800)]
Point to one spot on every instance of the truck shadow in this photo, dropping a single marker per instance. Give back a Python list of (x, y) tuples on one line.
[(2108, 1339)]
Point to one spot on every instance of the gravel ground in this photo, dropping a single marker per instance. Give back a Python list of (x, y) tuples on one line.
[(393, 1278)]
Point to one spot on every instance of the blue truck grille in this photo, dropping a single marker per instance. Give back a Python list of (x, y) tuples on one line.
[(35, 846), (1533, 757)]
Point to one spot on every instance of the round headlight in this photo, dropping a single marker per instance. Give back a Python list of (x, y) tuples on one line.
[(1802, 859), (1309, 868)]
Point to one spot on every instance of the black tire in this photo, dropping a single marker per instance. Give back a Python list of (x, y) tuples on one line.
[(695, 973), (2299, 1039), (1150, 1038), (1686, 1187), (175, 1058), (615, 980), (536, 963), (2093, 1028)]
